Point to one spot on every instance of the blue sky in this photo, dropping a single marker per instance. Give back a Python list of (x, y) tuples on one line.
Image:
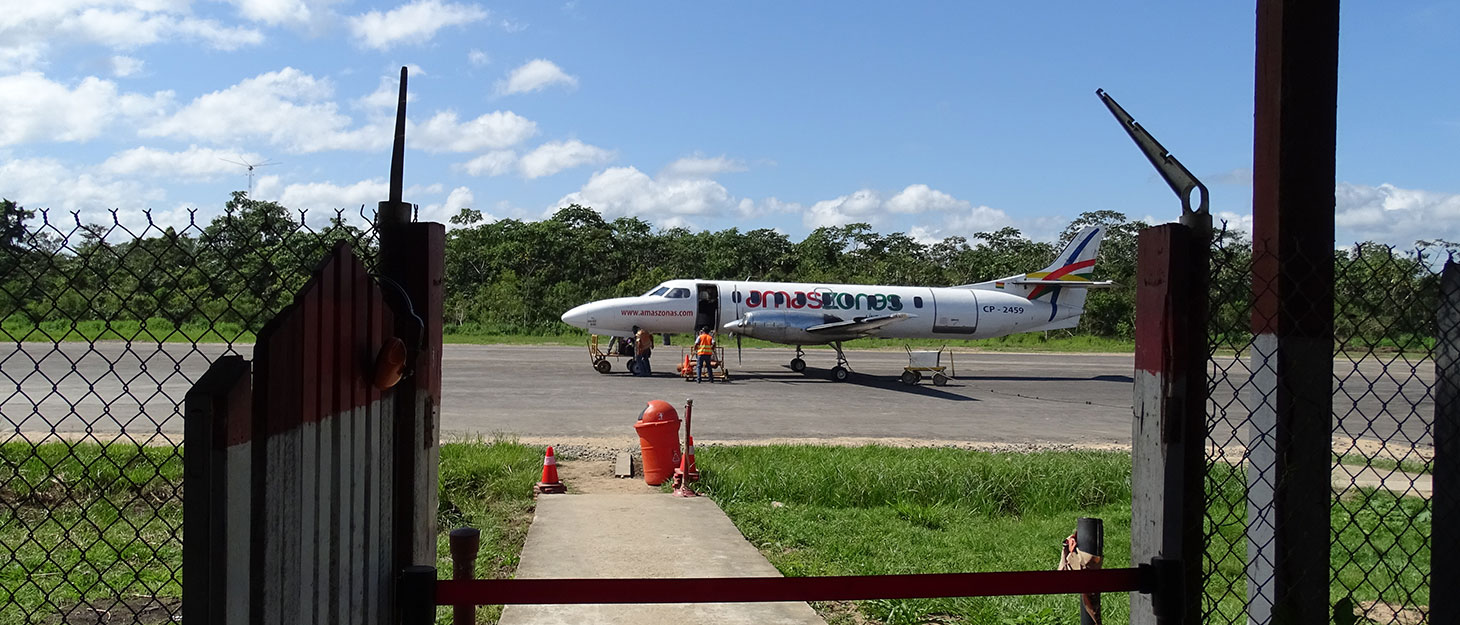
[(933, 119)]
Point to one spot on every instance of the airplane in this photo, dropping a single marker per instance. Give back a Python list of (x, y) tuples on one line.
[(802, 314)]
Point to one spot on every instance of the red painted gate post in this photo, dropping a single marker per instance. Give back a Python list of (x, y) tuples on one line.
[(1169, 426)]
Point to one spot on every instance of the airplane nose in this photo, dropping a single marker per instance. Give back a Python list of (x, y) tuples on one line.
[(577, 317)]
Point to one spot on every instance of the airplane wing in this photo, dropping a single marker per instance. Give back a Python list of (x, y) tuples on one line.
[(858, 325)]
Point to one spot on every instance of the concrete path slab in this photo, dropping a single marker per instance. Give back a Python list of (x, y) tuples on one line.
[(1347, 477), (657, 536)]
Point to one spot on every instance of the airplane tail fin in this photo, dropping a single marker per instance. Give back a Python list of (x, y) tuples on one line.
[(1063, 284)]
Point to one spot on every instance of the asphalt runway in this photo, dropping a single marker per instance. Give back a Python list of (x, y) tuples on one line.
[(551, 392)]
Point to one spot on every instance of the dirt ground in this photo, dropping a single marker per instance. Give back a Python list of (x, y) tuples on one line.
[(595, 477)]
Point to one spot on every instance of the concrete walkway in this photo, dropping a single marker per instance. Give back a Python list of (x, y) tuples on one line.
[(643, 536), (1346, 477)]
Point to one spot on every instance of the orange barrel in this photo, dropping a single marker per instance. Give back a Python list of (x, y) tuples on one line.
[(658, 428)]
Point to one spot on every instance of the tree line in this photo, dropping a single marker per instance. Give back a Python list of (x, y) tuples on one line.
[(517, 277)]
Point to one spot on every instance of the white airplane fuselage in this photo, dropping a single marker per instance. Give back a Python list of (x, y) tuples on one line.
[(780, 311)]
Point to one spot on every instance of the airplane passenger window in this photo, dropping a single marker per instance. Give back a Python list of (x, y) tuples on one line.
[(917, 301), (679, 293)]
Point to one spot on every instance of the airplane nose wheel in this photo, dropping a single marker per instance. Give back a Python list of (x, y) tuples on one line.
[(797, 364)]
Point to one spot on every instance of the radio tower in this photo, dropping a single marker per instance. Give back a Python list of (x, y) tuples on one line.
[(250, 167)]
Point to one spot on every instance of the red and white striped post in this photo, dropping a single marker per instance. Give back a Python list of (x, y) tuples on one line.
[(1289, 446)]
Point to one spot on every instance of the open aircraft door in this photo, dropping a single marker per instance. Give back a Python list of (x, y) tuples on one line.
[(707, 306), (955, 311)]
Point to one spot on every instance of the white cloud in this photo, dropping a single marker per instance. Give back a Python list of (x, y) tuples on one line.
[(1389, 214), (195, 163), (920, 198), (619, 191), (46, 183), (283, 12), (416, 22), (553, 157), (701, 167), (493, 163), (36, 109), (124, 66), (288, 108), (327, 197), (478, 58), (19, 56), (535, 75), (978, 219), (499, 129), (857, 207), (129, 29), (459, 198), (958, 217)]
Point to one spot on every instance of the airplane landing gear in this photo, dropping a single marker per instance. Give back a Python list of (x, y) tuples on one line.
[(798, 364), (840, 372)]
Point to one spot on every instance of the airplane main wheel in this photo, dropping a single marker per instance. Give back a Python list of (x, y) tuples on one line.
[(798, 365), (839, 373), (911, 377), (603, 366), (634, 367), (940, 379)]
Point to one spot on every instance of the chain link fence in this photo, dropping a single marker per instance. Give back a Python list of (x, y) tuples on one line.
[(1382, 445), (106, 325)]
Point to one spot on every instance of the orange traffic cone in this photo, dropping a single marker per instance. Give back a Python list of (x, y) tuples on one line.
[(685, 368), (550, 483)]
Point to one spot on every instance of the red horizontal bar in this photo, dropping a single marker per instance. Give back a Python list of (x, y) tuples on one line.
[(754, 589)]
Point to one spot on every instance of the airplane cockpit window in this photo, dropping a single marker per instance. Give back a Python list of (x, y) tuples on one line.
[(679, 293), (659, 291)]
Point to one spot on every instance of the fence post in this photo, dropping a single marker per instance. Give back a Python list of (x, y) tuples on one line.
[(465, 543), (1290, 444), (1090, 538), (217, 417), (417, 592), (1444, 570), (413, 258), (1168, 429)]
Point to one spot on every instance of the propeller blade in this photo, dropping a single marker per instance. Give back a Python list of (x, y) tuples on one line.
[(738, 359)]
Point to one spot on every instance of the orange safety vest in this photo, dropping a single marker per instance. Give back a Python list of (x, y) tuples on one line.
[(705, 345)]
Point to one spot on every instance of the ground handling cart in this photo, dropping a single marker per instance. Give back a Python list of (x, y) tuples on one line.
[(920, 361), (618, 347), (689, 363)]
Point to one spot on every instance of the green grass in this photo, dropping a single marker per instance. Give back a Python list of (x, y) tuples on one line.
[(880, 510), (86, 520), (486, 485), (876, 510), (1037, 342), (83, 520), (152, 330)]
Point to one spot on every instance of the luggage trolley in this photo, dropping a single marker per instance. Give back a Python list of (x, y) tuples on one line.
[(718, 371), (618, 347), (920, 361)]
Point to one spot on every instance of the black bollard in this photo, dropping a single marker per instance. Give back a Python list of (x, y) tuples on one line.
[(1090, 538)]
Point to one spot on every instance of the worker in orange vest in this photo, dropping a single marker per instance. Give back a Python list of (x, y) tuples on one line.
[(704, 349)]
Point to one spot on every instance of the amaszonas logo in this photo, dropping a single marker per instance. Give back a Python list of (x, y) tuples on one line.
[(821, 300)]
